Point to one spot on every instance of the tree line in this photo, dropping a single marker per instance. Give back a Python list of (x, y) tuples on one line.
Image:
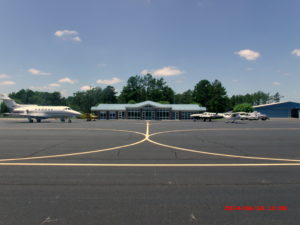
[(210, 94)]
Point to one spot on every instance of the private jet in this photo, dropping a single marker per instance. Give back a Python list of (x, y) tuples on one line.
[(38, 112)]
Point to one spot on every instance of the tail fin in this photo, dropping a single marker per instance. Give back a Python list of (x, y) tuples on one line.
[(11, 104)]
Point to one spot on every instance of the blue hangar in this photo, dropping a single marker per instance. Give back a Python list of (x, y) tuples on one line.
[(280, 109)]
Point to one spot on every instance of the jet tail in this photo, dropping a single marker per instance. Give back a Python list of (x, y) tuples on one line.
[(11, 104)]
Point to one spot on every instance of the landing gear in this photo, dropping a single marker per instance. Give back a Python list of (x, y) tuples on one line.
[(38, 120), (62, 120), (30, 120), (69, 120)]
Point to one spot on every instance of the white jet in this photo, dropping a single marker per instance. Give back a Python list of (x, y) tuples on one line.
[(38, 112)]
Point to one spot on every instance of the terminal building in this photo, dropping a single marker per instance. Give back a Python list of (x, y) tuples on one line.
[(147, 110), (280, 109)]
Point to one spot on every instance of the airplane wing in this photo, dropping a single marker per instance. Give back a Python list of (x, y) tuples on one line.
[(39, 115)]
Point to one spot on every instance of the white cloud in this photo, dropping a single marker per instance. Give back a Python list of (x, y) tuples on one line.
[(61, 33), (296, 52), (163, 72), (235, 80), (85, 88), (114, 80), (249, 69), (76, 39), (49, 87), (68, 35), (276, 83), (3, 76), (38, 72), (54, 85), (40, 88), (7, 83), (248, 54), (67, 80)]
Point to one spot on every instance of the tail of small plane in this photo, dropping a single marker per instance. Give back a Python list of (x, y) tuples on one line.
[(11, 104)]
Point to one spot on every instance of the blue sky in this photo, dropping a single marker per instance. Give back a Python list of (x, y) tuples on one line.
[(67, 46)]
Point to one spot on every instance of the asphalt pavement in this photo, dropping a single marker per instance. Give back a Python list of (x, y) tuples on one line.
[(149, 172)]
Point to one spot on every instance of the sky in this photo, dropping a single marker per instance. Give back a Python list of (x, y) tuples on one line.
[(69, 46)]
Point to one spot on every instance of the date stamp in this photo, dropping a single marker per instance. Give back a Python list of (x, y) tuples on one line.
[(256, 208)]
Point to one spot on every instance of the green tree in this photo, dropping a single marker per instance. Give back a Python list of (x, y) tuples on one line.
[(244, 107), (202, 92), (211, 95), (142, 88), (277, 97), (109, 95), (3, 108)]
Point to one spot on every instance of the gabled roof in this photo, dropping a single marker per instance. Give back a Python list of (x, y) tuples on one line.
[(142, 104), (123, 107), (276, 103)]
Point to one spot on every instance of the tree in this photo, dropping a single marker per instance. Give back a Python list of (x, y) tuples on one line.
[(277, 97), (202, 92), (109, 95), (244, 107), (186, 97), (142, 88), (211, 95), (3, 108)]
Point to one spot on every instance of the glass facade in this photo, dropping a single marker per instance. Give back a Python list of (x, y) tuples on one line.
[(146, 111), (134, 114), (186, 115), (102, 115)]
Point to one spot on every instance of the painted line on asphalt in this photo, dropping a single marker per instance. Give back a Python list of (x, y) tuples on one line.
[(221, 129), (222, 155), (75, 154), (150, 165), (80, 129)]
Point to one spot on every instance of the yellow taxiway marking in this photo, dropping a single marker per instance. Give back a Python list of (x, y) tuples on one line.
[(146, 138), (221, 129), (149, 165), (80, 129), (73, 154), (220, 154)]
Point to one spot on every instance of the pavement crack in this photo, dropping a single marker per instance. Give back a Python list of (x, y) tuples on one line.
[(44, 149)]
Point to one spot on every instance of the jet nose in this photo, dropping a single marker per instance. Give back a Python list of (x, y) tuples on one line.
[(76, 113)]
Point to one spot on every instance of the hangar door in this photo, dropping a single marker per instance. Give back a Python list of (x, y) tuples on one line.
[(295, 113)]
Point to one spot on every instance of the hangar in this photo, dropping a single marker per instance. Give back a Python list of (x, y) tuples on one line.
[(147, 110), (280, 109)]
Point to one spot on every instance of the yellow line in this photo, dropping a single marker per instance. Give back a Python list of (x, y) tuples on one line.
[(223, 155), (81, 129), (73, 154), (221, 129), (147, 130), (149, 165), (87, 152)]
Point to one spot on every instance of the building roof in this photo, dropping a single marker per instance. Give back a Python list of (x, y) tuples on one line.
[(123, 107), (276, 103)]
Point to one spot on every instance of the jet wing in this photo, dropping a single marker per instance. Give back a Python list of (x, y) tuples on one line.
[(35, 115)]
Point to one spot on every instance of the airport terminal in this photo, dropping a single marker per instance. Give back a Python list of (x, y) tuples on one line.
[(147, 110)]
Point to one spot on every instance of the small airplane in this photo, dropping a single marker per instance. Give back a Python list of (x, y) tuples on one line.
[(206, 116), (38, 112), (232, 117), (89, 116)]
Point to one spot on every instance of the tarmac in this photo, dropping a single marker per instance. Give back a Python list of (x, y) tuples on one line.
[(149, 172)]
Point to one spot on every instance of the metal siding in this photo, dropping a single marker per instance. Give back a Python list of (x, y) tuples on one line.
[(280, 110)]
